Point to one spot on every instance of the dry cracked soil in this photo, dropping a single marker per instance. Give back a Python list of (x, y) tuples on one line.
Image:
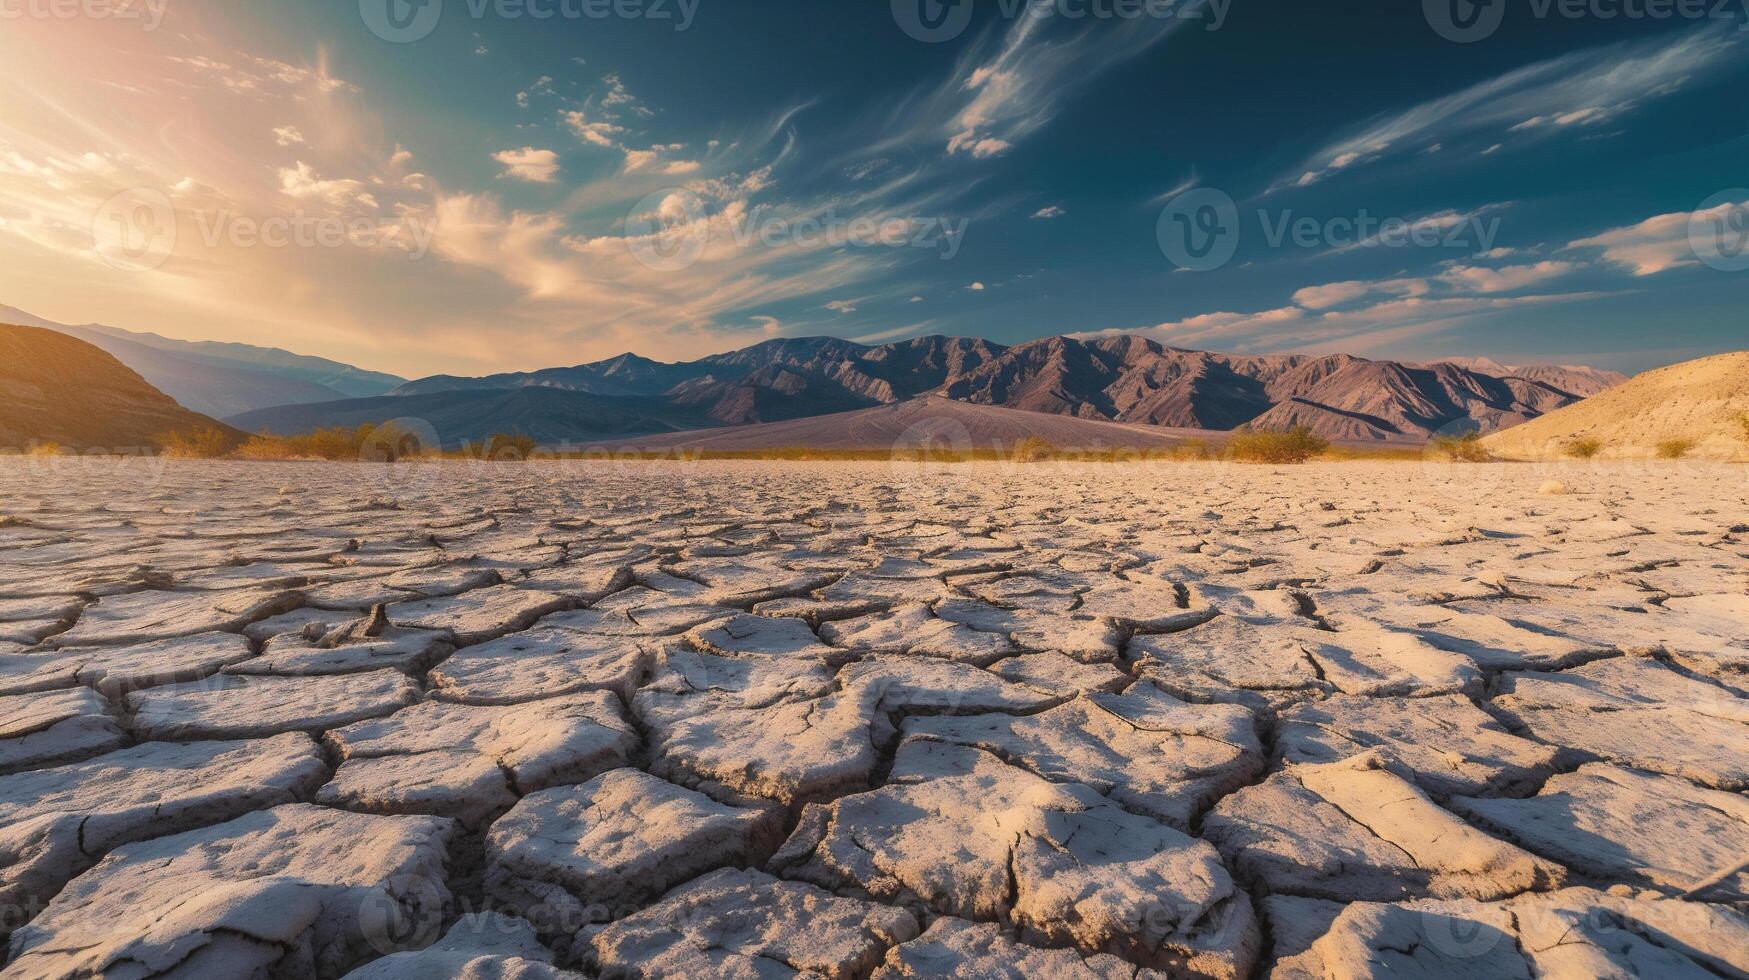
[(867, 720)]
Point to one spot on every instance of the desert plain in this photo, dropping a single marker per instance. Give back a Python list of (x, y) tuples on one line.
[(854, 720)]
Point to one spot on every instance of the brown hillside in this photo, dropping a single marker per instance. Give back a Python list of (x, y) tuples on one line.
[(57, 389)]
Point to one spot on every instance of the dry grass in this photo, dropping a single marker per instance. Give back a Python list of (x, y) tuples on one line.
[(390, 443), (1297, 445), (46, 449), (205, 442), (1675, 448), (1584, 448), (1466, 448)]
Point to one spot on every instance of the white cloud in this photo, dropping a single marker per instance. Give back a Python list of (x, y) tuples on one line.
[(842, 306), (976, 287), (304, 183), (1509, 279), (288, 136), (600, 133), (530, 164), (1336, 294), (980, 147), (1657, 244), (1576, 89), (1047, 213)]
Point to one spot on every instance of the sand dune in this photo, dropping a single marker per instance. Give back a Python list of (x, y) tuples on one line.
[(1704, 401)]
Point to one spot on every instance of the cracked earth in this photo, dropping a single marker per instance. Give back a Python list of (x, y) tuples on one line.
[(858, 720)]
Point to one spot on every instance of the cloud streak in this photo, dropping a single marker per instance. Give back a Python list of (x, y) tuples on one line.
[(1583, 89)]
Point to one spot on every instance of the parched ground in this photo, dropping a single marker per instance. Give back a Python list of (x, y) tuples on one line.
[(853, 720)]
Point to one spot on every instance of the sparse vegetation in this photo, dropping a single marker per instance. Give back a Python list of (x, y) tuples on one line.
[(1465, 448), (505, 448), (1675, 448), (203, 442), (1035, 450), (1196, 449), (46, 449), (1744, 420), (1297, 445), (329, 444), (1584, 448), (386, 443)]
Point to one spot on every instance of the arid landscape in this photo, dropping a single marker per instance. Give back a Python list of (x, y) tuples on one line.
[(898, 490), (890, 720)]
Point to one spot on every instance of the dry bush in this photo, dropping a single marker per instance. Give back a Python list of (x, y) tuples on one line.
[(1296, 445), (1584, 448), (1466, 448), (1744, 419), (45, 449), (513, 448), (1200, 449), (327, 444), (1675, 448), (202, 442), (1032, 449)]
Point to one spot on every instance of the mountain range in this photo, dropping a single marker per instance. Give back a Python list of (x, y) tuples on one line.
[(221, 379), (1118, 378), (1112, 378)]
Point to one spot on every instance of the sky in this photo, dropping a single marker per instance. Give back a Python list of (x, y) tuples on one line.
[(471, 186)]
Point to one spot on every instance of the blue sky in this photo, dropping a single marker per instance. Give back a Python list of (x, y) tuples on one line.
[(524, 191)]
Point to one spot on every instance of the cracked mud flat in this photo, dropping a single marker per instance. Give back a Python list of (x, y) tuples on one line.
[(861, 720)]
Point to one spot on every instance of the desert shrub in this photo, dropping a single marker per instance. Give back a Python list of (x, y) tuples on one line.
[(45, 449), (1465, 448), (1675, 448), (1584, 448), (510, 447), (1296, 445), (1744, 421), (336, 443), (1032, 449), (1199, 449), (202, 442)]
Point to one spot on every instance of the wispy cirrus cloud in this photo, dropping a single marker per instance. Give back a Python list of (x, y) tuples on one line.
[(1583, 89), (1017, 79)]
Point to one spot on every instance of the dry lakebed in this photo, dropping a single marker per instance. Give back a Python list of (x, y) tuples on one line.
[(850, 720)]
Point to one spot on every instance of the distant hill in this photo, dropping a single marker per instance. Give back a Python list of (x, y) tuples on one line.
[(1120, 378), (928, 421), (1705, 401), (1582, 381), (59, 389), (551, 415), (222, 379)]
